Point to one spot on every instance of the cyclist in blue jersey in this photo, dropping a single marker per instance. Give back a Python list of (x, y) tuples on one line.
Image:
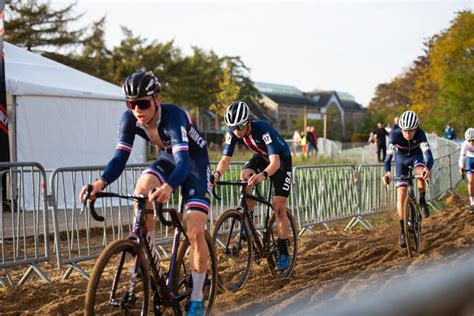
[(410, 147), (272, 159), (183, 162), (466, 164)]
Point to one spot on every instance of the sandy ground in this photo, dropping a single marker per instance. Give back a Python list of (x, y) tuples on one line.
[(332, 264)]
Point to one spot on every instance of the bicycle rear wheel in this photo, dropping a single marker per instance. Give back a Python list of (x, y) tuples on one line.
[(182, 279), (412, 228), (271, 243), (234, 249), (113, 289)]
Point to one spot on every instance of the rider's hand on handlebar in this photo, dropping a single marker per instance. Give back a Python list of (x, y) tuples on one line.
[(97, 187), (256, 179), (386, 178), (161, 194), (426, 173), (215, 177)]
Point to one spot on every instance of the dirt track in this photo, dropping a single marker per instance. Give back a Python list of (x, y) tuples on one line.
[(331, 264)]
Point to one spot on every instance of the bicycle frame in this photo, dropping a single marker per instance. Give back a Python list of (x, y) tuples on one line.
[(139, 234), (261, 250)]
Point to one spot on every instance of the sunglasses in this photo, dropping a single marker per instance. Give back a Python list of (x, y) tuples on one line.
[(142, 104), (409, 130), (238, 127)]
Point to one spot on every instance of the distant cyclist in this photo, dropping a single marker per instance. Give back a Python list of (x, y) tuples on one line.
[(272, 159), (183, 162), (410, 147), (466, 164)]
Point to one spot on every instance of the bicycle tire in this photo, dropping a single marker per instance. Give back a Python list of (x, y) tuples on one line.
[(182, 278), (234, 270), (104, 271), (270, 242), (411, 227)]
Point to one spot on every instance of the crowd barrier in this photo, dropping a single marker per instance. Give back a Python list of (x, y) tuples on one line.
[(24, 232), (320, 194)]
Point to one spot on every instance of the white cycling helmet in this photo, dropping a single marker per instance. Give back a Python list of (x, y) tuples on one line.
[(408, 120), (469, 134), (237, 113)]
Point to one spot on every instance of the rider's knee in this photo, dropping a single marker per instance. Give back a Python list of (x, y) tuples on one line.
[(195, 233)]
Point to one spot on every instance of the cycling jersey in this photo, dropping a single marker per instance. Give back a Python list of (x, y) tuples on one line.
[(263, 140), (416, 152), (184, 158), (466, 158)]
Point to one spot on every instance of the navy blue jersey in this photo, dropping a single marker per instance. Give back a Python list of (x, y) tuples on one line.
[(263, 140), (404, 149), (182, 142)]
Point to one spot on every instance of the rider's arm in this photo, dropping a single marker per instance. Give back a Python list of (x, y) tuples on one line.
[(274, 164), (388, 158), (179, 142), (122, 151), (223, 165), (463, 155)]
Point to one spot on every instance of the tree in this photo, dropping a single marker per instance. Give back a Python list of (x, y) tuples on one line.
[(37, 27)]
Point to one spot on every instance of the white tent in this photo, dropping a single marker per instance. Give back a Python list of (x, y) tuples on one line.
[(61, 117)]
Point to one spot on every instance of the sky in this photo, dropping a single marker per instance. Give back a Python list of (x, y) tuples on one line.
[(349, 46)]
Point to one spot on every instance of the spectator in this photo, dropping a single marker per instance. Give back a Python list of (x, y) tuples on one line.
[(380, 134), (303, 143), (395, 123), (449, 132), (315, 140), (296, 141), (310, 141)]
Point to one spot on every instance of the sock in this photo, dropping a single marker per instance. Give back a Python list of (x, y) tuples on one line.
[(402, 229), (283, 246), (198, 282), (422, 196), (472, 200), (152, 237)]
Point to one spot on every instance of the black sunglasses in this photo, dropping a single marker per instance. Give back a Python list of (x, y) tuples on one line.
[(238, 127), (142, 104)]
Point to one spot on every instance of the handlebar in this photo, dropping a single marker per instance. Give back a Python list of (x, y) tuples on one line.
[(241, 183), (158, 209)]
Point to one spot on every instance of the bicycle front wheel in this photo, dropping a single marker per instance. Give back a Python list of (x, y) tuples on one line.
[(114, 288), (234, 249), (182, 278), (412, 228), (271, 243)]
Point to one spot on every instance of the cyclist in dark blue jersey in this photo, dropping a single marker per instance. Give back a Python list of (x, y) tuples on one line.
[(272, 159), (183, 162), (410, 147)]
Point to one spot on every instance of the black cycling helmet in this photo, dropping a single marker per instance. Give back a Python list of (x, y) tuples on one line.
[(140, 84)]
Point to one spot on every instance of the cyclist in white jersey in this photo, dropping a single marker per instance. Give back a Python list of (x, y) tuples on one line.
[(466, 164)]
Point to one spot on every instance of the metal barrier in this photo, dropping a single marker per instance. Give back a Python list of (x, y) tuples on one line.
[(24, 235), (323, 193), (373, 195), (320, 194), (80, 238)]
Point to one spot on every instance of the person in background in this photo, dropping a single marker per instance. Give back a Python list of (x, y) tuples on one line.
[(315, 139), (466, 164), (296, 141), (449, 132), (395, 123), (380, 134)]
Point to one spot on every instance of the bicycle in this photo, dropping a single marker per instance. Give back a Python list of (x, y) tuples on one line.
[(412, 217), (124, 272), (238, 242)]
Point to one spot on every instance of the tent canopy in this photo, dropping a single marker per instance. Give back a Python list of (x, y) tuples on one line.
[(31, 74)]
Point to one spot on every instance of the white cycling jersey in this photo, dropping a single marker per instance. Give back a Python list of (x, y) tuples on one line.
[(466, 151)]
